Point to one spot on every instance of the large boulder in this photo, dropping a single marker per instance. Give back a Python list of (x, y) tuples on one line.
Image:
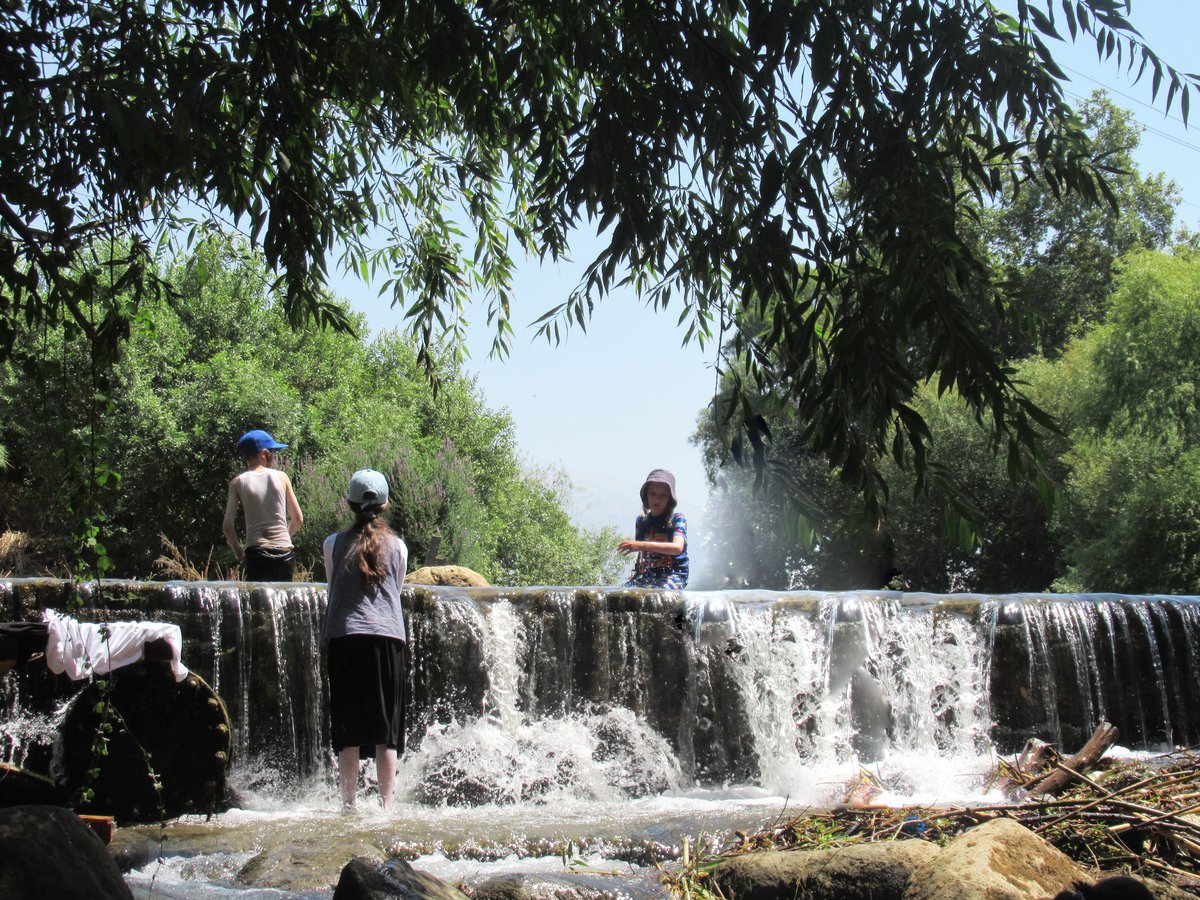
[(450, 576), (998, 860), (880, 871), (46, 851)]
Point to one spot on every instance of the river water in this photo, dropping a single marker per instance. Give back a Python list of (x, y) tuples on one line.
[(581, 735), (606, 847)]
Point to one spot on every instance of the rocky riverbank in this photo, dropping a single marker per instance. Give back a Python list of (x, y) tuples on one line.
[(998, 860), (46, 851)]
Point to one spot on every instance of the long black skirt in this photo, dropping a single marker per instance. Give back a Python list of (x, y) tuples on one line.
[(367, 692)]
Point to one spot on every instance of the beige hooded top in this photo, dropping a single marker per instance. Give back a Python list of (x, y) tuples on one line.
[(263, 495)]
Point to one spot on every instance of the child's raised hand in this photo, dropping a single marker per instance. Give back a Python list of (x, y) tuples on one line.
[(627, 547)]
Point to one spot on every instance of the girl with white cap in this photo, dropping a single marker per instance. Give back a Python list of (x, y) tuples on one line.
[(660, 537), (365, 638)]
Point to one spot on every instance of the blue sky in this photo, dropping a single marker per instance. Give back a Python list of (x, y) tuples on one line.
[(621, 399), (607, 405)]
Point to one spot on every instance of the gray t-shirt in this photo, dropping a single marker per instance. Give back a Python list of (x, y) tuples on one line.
[(354, 608)]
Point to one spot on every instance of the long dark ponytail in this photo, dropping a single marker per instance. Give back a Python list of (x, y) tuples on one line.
[(370, 532)]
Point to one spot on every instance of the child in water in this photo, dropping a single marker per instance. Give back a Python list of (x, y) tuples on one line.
[(365, 638), (660, 537)]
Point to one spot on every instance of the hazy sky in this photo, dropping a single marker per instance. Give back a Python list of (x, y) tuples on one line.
[(621, 399)]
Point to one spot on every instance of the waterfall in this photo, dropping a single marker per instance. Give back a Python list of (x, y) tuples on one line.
[(1078, 660), (525, 695)]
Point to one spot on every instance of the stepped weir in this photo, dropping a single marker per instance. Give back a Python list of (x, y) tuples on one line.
[(519, 695)]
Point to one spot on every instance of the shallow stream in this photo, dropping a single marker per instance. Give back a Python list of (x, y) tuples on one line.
[(581, 735), (602, 847)]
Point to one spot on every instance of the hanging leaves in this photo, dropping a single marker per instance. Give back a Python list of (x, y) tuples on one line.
[(744, 153)]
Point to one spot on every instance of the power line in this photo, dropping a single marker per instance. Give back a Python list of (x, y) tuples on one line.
[(1157, 132), (1165, 135), (1129, 97)]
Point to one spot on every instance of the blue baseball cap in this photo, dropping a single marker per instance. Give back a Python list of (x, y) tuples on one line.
[(252, 442), (367, 488)]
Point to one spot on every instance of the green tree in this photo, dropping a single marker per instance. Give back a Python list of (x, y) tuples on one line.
[(1131, 520), (532, 541), (735, 155), (978, 529), (213, 356), (959, 521), (799, 527), (1054, 255), (974, 529)]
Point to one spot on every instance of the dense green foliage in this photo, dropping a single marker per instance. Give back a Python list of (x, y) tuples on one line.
[(215, 357), (737, 157), (1132, 516), (1054, 254), (1121, 391), (771, 538)]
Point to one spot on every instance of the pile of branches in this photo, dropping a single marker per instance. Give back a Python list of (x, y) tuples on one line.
[(1131, 815)]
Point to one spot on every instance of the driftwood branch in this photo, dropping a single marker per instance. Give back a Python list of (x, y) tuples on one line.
[(1067, 773)]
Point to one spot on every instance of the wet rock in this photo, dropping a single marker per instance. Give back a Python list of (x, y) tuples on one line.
[(454, 779), (509, 887), (46, 851), (133, 851), (634, 760), (457, 777), (861, 872), (542, 887), (299, 869), (998, 860), (506, 887), (453, 576), (367, 879), (19, 787), (533, 887), (1115, 887), (1183, 889)]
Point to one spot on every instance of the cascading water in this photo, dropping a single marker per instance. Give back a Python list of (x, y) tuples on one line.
[(1074, 661), (620, 719), (831, 682)]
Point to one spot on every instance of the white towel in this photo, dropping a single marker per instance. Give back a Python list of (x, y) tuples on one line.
[(81, 650)]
